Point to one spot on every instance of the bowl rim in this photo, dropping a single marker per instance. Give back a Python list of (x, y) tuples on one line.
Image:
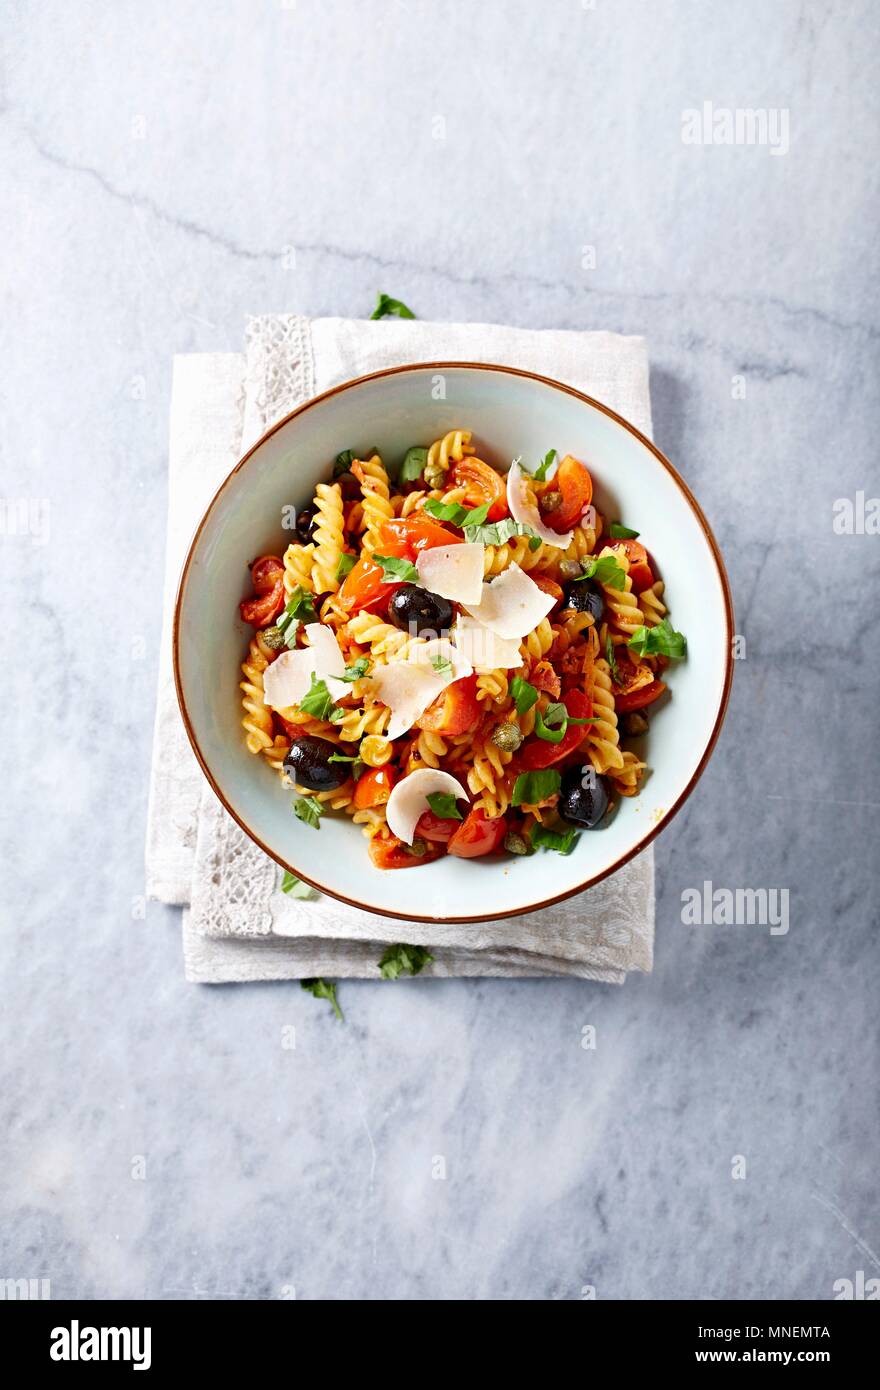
[(644, 840)]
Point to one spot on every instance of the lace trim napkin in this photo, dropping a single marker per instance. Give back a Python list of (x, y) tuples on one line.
[(239, 925)]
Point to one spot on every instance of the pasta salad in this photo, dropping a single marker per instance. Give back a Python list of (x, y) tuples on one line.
[(459, 659)]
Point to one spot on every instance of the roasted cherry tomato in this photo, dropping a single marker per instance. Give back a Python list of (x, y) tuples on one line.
[(267, 577), (407, 535), (478, 834), (637, 699), (640, 571), (365, 587), (484, 486), (575, 486), (538, 753), (455, 710), (374, 787), (392, 853), (439, 828)]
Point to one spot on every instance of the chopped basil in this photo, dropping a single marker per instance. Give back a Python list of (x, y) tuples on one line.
[(524, 695), (605, 570), (561, 841), (443, 805), (499, 532), (454, 512), (401, 959), (442, 665), (621, 533), (552, 725), (612, 662), (342, 463), (295, 887), (318, 702), (344, 565), (342, 758), (540, 472), (357, 671), (413, 465), (387, 306), (532, 787), (307, 809), (321, 990), (661, 640), (395, 569), (300, 608)]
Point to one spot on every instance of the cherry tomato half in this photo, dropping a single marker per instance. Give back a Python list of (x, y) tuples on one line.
[(267, 577), (374, 787), (477, 835), (456, 710), (365, 587), (392, 853), (407, 535), (538, 753), (439, 828), (484, 486), (574, 483), (639, 698), (640, 571)]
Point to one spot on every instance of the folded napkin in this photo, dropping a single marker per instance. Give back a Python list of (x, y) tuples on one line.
[(237, 924)]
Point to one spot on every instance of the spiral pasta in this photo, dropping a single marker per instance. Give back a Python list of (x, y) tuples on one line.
[(517, 551), (539, 642), (652, 605), (329, 538), (426, 750), (451, 448), (622, 604), (486, 776), (298, 561), (376, 499), (603, 739), (492, 685), (257, 718), (355, 723)]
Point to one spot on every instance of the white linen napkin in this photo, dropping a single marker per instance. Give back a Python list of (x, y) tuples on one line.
[(238, 925)]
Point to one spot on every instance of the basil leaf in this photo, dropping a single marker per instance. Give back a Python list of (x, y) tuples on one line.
[(299, 608), (442, 665), (318, 701), (549, 735), (342, 463), (386, 306), (344, 565), (605, 570), (357, 671), (413, 465), (561, 841), (661, 640), (532, 787), (443, 805), (454, 512), (524, 695), (555, 714), (540, 472), (295, 887), (395, 569), (401, 959), (307, 809), (499, 532), (621, 533), (321, 990), (342, 758), (612, 662)]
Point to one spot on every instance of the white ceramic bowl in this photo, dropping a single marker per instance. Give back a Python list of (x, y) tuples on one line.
[(510, 413)]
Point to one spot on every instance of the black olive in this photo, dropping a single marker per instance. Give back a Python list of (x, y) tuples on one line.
[(305, 524), (584, 597), (308, 764), (583, 797), (419, 610)]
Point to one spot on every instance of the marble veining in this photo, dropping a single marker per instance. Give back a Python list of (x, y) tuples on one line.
[(171, 169)]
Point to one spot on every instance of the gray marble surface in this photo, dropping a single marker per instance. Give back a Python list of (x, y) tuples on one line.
[(159, 159)]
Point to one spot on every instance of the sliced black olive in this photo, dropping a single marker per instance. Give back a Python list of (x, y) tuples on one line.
[(584, 597), (308, 764), (583, 797), (305, 524), (419, 610)]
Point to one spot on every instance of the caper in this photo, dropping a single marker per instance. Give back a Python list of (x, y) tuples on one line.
[(549, 501), (273, 638), (507, 736), (418, 848), (570, 569), (515, 844), (435, 475), (634, 724)]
